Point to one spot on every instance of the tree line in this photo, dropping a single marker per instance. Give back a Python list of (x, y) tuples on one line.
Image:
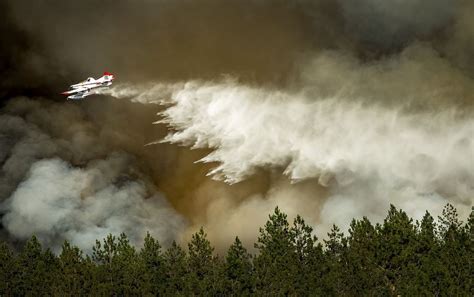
[(398, 257)]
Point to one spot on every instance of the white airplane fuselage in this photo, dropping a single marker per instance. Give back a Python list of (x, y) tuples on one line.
[(87, 87)]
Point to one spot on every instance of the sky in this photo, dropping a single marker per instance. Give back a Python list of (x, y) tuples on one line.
[(222, 111)]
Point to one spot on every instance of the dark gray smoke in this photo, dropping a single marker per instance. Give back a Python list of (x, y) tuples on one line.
[(394, 24)]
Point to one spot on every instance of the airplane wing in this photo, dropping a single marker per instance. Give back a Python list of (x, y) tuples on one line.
[(76, 90), (79, 95)]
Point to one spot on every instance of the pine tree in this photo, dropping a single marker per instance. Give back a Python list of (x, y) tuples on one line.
[(455, 254), (362, 271), (469, 243), (425, 277), (336, 245), (202, 265), (75, 278), (310, 264), (120, 271), (153, 260), (396, 250), (176, 271), (449, 224), (8, 270), (276, 263), (335, 278), (238, 271), (37, 270)]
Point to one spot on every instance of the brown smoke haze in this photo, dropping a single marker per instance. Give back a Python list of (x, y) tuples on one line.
[(328, 109)]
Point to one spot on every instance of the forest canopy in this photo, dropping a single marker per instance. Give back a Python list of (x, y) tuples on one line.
[(398, 256)]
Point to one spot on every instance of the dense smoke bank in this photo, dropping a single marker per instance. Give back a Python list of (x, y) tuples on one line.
[(329, 109), (351, 148), (64, 182)]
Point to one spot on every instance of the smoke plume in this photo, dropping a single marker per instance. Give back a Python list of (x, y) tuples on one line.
[(352, 146), (329, 109), (70, 185)]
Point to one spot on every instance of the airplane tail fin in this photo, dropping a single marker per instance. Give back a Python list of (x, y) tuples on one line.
[(107, 73)]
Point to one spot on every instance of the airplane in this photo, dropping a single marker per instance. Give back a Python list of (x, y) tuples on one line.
[(85, 88)]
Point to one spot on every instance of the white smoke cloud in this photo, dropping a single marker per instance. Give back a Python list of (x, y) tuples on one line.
[(252, 128), (60, 180), (368, 156), (58, 202), (368, 149)]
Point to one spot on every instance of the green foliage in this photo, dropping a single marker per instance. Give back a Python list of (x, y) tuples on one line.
[(120, 270), (336, 256), (176, 271), (202, 265), (398, 257), (426, 275), (276, 262), (36, 270), (364, 272), (449, 225), (309, 260), (396, 247), (238, 271), (290, 262), (75, 272), (8, 270), (456, 254), (154, 264)]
